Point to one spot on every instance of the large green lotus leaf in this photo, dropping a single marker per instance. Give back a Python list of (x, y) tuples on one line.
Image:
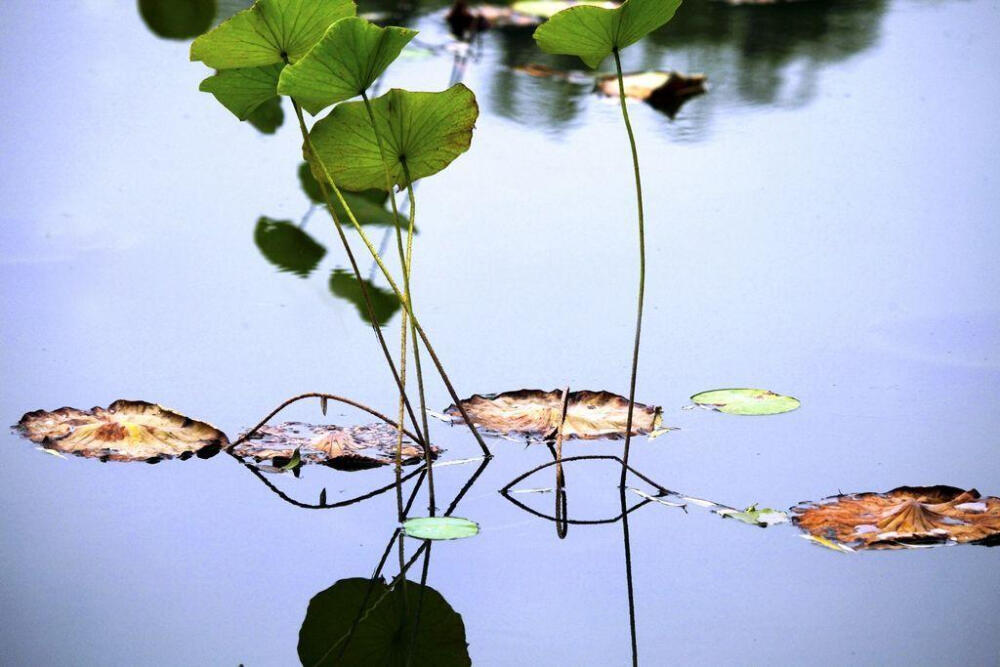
[(426, 130), (385, 303), (344, 63), (286, 246), (384, 634), (177, 19), (271, 31), (368, 206), (592, 33), (244, 89), (268, 117)]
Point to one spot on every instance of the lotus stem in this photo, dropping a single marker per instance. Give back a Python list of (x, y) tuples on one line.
[(357, 271), (402, 297), (642, 265), (405, 260), (628, 580)]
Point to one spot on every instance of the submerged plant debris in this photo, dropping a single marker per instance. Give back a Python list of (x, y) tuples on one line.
[(535, 414), (665, 91), (341, 447), (906, 517), (124, 431), (746, 401), (365, 622)]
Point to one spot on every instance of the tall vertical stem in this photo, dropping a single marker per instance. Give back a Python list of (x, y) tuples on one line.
[(402, 297), (642, 266), (628, 580), (357, 273), (405, 261)]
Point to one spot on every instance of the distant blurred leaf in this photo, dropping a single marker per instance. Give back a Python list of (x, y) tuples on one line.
[(244, 89), (177, 19), (343, 64), (345, 285), (286, 246), (383, 633)]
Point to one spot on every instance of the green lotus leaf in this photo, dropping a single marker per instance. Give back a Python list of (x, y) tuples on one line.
[(244, 89), (384, 631), (268, 117), (385, 303), (440, 528), (270, 32), (427, 131), (286, 246), (592, 33), (746, 401), (343, 64), (177, 19)]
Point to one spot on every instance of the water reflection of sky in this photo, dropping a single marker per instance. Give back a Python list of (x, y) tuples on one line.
[(822, 222)]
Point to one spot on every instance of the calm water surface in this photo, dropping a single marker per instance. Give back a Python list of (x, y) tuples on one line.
[(822, 223)]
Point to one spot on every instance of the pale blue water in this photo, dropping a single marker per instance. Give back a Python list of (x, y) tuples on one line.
[(822, 223)]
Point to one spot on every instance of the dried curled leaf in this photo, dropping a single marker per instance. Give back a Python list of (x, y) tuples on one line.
[(124, 431), (908, 516), (666, 91), (342, 447), (536, 414)]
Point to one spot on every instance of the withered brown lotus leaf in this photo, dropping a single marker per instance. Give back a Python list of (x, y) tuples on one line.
[(124, 431), (536, 414), (342, 447), (904, 517), (666, 91)]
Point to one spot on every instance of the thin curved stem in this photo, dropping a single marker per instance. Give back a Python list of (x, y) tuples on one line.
[(354, 266), (402, 297), (322, 396), (642, 264)]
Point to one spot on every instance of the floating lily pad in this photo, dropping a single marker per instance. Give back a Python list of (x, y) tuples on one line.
[(754, 516), (534, 413), (343, 64), (592, 33), (340, 447), (427, 131), (124, 431), (286, 246), (385, 303), (904, 517), (665, 91), (244, 89), (269, 32), (746, 401), (177, 19), (440, 528), (385, 623)]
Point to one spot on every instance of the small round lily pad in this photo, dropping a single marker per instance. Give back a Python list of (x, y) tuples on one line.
[(746, 401), (440, 528)]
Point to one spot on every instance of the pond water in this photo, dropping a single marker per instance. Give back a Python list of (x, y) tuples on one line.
[(822, 222)]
